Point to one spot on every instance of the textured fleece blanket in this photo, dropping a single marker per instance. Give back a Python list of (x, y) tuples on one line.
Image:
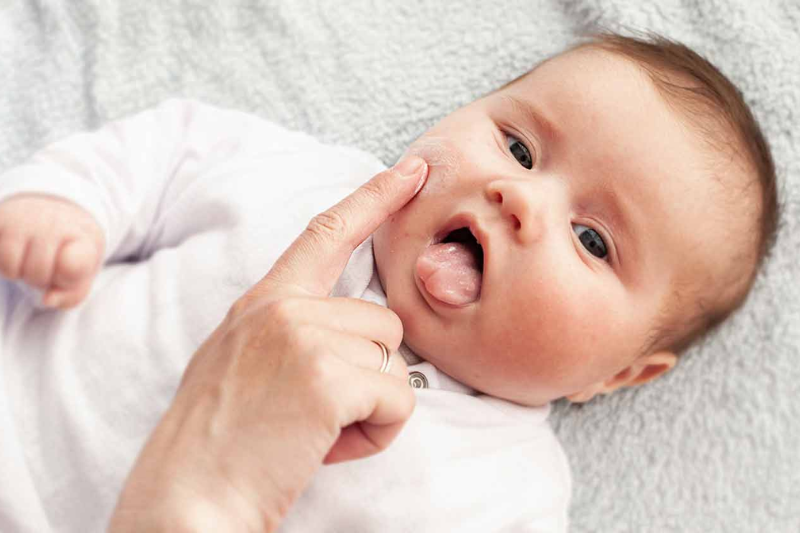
[(711, 447)]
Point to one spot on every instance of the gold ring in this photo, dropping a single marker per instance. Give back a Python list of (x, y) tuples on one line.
[(386, 364)]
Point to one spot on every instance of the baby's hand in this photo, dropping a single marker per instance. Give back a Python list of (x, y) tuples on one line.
[(51, 244)]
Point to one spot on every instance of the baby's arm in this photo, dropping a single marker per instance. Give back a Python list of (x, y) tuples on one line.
[(96, 196)]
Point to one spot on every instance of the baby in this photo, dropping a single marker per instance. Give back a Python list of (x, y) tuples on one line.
[(580, 228)]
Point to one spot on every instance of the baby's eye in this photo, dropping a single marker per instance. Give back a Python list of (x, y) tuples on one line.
[(520, 152), (591, 240)]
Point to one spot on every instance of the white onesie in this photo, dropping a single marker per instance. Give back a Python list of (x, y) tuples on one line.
[(196, 204)]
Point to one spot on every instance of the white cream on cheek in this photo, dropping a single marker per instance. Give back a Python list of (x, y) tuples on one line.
[(443, 161)]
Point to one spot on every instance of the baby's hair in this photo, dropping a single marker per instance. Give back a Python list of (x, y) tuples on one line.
[(711, 102)]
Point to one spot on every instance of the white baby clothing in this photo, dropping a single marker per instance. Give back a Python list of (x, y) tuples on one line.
[(196, 204)]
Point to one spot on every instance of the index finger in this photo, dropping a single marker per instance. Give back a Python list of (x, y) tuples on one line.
[(316, 259)]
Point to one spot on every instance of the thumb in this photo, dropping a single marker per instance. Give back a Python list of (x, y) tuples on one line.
[(357, 441)]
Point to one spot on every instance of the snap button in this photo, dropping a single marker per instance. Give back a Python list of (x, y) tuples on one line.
[(417, 380)]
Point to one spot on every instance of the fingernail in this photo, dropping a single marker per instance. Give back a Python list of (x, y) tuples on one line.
[(413, 166), (410, 166)]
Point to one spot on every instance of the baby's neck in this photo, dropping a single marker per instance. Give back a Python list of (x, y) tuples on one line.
[(410, 357)]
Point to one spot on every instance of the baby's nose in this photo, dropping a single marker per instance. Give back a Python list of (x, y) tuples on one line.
[(521, 205)]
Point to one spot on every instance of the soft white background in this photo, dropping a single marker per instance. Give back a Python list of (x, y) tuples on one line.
[(712, 447)]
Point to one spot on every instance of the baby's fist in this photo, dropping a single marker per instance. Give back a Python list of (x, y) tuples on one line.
[(51, 244)]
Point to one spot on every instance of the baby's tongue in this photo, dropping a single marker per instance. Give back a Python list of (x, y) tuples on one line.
[(450, 273)]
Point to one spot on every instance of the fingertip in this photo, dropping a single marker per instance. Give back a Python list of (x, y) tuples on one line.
[(412, 168), (53, 298), (423, 178), (57, 298)]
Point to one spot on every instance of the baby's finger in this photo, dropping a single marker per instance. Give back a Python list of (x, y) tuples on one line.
[(315, 260), (12, 252), (66, 298), (76, 261), (37, 266)]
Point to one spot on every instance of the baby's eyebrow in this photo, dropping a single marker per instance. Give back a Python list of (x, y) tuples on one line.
[(534, 116)]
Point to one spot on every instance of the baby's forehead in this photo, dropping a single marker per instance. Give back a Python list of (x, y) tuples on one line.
[(676, 93), (604, 88), (581, 57)]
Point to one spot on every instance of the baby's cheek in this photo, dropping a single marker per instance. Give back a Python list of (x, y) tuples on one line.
[(444, 161), (596, 337), (553, 324)]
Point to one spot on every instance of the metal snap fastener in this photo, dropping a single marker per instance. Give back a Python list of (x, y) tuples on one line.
[(417, 380)]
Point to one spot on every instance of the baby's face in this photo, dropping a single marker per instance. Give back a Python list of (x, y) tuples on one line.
[(590, 197)]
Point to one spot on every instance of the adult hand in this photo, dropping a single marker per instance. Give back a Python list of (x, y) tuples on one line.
[(288, 381)]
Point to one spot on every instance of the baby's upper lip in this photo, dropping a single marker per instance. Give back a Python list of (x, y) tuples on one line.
[(461, 220)]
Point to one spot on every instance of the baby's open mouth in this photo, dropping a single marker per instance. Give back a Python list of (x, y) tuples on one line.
[(464, 236), (451, 268)]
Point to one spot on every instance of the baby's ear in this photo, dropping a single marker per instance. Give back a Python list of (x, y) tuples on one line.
[(644, 369)]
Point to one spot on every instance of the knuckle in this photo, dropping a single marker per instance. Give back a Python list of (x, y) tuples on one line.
[(374, 189), (318, 365), (317, 371), (237, 310), (395, 328), (327, 225), (278, 314), (391, 327), (299, 338), (283, 313), (320, 378)]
